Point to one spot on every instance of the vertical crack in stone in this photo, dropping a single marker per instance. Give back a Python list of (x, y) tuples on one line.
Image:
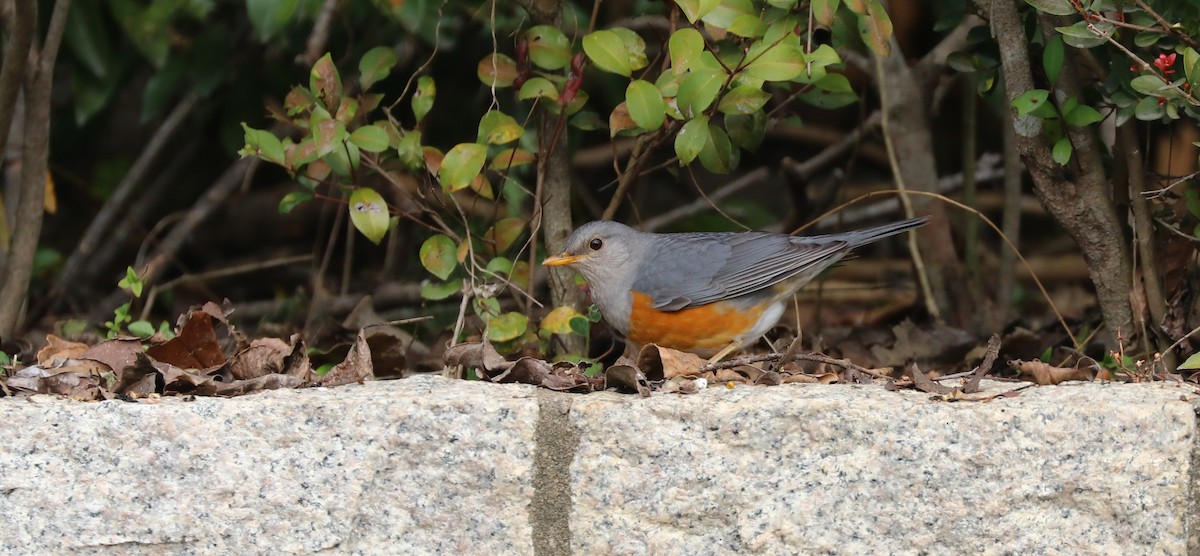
[(556, 442)]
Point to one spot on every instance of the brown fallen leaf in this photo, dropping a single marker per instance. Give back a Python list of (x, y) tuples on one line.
[(1045, 374), (356, 367), (474, 355), (75, 378), (195, 347), (60, 349), (660, 363), (117, 353), (626, 378)]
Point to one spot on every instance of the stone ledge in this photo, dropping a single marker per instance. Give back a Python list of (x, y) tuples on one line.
[(427, 465)]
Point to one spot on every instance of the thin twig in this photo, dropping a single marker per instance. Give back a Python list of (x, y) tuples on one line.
[(319, 35), (746, 180), (218, 273)]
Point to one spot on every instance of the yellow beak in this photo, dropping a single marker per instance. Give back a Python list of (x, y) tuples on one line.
[(562, 260)]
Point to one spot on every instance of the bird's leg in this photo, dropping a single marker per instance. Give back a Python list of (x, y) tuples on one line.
[(732, 347)]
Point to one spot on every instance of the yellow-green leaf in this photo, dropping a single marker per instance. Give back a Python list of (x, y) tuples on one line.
[(685, 45), (538, 87), (504, 233), (507, 326), (698, 90), (606, 49), (646, 105), (743, 100), (558, 320), (511, 158), (691, 139), (498, 128), (497, 70), (369, 213), (461, 165), (422, 99), (437, 256), (696, 9), (372, 139), (548, 47), (778, 62), (375, 65), (635, 47)]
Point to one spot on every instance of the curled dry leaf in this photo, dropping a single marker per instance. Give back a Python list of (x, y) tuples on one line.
[(626, 378), (1045, 374), (356, 368), (474, 355), (665, 363), (683, 385)]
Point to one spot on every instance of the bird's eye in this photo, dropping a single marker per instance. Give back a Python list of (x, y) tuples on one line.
[(595, 244)]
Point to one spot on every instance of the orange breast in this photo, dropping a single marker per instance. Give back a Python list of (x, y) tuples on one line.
[(705, 328)]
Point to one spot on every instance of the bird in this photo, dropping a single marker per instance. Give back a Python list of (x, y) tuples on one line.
[(708, 293)]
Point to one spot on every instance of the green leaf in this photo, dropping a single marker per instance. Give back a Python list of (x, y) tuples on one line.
[(289, 201), (508, 326), (831, 91), (1192, 201), (538, 87), (461, 165), (269, 17), (1148, 85), (607, 50), (696, 9), (746, 131), (1148, 110), (1192, 363), (264, 144), (141, 329), (325, 83), (496, 70), (1082, 115), (1062, 150), (635, 47), (1053, 7), (498, 128), (1080, 35), (727, 12), (409, 149), (580, 325), (375, 65), (369, 213), (1052, 58), (372, 139), (743, 100), (779, 62), (131, 282), (1031, 100), (691, 139), (1191, 67), (645, 104), (685, 46), (437, 291), (718, 155), (437, 256), (549, 48), (422, 99), (698, 91), (825, 10)]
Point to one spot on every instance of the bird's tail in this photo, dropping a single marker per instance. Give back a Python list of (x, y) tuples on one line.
[(869, 235)]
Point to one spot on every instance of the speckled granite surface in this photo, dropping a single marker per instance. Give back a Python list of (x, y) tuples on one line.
[(432, 466), (1073, 469), (379, 468)]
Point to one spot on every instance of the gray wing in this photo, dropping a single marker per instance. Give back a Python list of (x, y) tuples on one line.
[(689, 270)]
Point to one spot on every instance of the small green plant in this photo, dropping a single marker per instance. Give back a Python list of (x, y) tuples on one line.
[(122, 321)]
